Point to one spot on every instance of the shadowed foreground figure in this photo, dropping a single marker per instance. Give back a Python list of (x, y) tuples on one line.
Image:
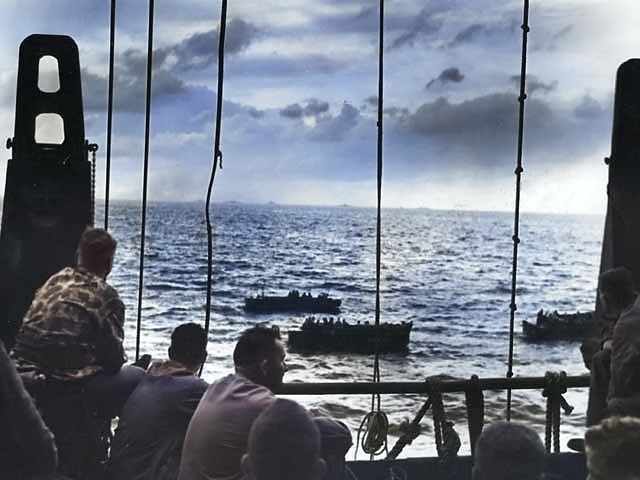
[(612, 449), (284, 444), (616, 294), (27, 449), (148, 441), (508, 451)]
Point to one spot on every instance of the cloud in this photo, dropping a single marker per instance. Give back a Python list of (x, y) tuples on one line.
[(469, 34), (589, 108), (200, 50), (482, 132), (197, 52), (533, 84), (336, 128), (312, 108), (449, 75), (420, 26)]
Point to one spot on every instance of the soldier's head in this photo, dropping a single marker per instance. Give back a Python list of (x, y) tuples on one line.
[(284, 444), (95, 251), (259, 356), (616, 290), (508, 451), (189, 345), (612, 449)]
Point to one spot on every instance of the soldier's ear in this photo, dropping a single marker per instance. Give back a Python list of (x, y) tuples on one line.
[(245, 465)]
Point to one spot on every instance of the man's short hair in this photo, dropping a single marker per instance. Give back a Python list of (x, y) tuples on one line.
[(95, 241), (188, 343), (612, 449), (255, 344), (508, 451), (284, 443), (617, 285), (94, 245)]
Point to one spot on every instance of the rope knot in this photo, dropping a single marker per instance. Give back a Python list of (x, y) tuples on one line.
[(555, 383)]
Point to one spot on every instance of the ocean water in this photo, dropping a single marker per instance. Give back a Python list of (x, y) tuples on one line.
[(449, 272)]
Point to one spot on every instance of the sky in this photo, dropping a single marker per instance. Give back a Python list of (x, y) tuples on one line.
[(300, 98)]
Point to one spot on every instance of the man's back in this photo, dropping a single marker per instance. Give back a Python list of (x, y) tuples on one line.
[(148, 441), (624, 387), (219, 429), (74, 326)]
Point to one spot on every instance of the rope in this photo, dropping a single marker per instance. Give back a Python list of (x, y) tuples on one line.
[(555, 387), (411, 431), (217, 157), (438, 417), (93, 148), (145, 179), (376, 421), (474, 399), (375, 426), (518, 172), (112, 42), (447, 440)]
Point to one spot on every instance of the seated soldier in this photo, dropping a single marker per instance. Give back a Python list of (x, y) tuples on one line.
[(623, 397), (612, 449), (27, 449), (336, 441), (508, 451), (616, 294), (148, 441), (69, 353), (284, 444), (218, 432), (217, 435)]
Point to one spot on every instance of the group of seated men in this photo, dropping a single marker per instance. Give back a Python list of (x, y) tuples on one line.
[(171, 424), (70, 358)]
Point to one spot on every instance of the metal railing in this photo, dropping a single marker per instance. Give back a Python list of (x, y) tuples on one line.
[(553, 386)]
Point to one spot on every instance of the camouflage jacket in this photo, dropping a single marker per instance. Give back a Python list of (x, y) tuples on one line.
[(73, 328)]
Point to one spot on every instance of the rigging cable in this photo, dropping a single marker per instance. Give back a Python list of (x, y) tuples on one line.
[(112, 43), (217, 157), (374, 440), (518, 172), (145, 179)]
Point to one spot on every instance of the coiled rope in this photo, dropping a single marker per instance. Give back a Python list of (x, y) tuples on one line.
[(555, 387), (518, 172)]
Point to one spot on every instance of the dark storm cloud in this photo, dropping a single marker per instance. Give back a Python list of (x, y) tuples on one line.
[(449, 75), (419, 26), (198, 51), (483, 131), (337, 127), (201, 49), (294, 111), (311, 108), (316, 108), (469, 34)]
